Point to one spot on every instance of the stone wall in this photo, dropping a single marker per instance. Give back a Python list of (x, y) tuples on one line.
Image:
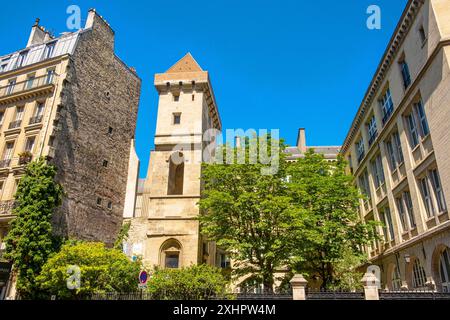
[(100, 94)]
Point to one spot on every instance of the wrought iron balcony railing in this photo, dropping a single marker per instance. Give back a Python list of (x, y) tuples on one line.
[(15, 124), (6, 207), (32, 83), (36, 119)]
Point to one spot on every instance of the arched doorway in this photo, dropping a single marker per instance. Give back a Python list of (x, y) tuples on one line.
[(170, 254), (444, 270), (176, 174)]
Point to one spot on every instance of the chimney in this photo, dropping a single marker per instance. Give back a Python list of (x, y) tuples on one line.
[(90, 19), (301, 140), (37, 35)]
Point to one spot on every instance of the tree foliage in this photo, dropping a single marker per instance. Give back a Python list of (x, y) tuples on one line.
[(250, 215), (30, 242), (103, 270), (198, 282)]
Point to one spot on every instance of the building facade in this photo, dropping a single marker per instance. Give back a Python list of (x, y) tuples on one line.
[(73, 101), (397, 148), (330, 153), (164, 228)]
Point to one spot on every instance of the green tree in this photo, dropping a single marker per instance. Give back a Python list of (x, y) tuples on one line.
[(198, 282), (333, 231), (250, 214), (30, 242), (123, 236), (102, 270)]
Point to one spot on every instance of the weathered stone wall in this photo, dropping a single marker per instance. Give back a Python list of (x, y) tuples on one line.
[(99, 92)]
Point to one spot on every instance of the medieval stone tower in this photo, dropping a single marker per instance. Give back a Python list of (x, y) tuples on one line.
[(166, 232)]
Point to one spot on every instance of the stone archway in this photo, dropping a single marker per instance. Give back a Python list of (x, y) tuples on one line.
[(170, 254), (440, 267)]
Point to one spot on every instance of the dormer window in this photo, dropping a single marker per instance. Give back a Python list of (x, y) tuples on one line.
[(21, 59), (49, 50)]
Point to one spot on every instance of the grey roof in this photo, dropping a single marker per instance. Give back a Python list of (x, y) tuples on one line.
[(329, 152), (65, 44)]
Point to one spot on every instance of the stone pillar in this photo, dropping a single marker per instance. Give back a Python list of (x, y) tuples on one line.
[(370, 283), (298, 284)]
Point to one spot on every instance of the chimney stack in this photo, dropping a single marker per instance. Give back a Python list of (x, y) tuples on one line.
[(301, 140), (38, 34)]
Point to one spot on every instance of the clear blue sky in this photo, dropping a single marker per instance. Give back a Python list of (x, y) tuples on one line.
[(273, 64)]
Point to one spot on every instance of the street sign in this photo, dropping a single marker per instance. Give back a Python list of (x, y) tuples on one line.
[(143, 277)]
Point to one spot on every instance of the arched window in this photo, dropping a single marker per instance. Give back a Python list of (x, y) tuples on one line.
[(170, 254), (419, 275), (176, 174), (396, 280), (444, 270)]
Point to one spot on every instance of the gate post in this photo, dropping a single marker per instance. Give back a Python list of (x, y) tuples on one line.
[(298, 284), (369, 282)]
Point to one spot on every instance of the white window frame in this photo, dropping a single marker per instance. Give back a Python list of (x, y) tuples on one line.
[(386, 105), (413, 130), (372, 129), (438, 191), (426, 197), (422, 118)]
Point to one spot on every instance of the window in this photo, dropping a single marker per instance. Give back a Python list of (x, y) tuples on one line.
[(29, 82), (413, 134), (7, 154), (386, 219), (38, 112), (437, 189), (419, 275), (224, 261), (19, 113), (396, 280), (105, 163), (394, 151), (10, 87), (426, 196), (409, 208), (170, 254), (444, 270), (401, 213), (176, 118), (21, 59), (377, 169), (50, 75), (109, 205), (193, 97), (422, 34), (110, 130), (422, 118), (2, 115), (386, 105), (364, 184), (49, 49), (372, 130), (360, 149), (176, 174), (29, 145), (398, 147), (176, 97), (405, 73), (99, 201), (172, 260)]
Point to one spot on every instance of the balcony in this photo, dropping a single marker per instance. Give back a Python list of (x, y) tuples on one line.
[(35, 120), (6, 163), (6, 207), (27, 89), (15, 124)]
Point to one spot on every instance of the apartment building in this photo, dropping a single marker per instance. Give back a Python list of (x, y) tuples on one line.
[(398, 150), (72, 100)]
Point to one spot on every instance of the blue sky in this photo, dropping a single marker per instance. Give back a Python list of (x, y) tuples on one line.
[(273, 64)]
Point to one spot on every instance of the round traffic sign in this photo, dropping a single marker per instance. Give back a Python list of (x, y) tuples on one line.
[(143, 276)]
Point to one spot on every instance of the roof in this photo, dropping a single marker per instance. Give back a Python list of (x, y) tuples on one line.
[(329, 152), (185, 64), (65, 44)]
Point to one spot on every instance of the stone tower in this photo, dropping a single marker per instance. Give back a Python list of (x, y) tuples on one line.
[(167, 232)]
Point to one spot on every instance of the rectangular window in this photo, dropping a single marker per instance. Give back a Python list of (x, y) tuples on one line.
[(11, 86), (176, 97), (360, 149), (21, 59), (401, 213), (364, 184), (405, 74), (398, 147), (409, 208), (29, 146), (19, 113), (437, 189), (2, 116), (372, 130), (377, 168), (39, 111), (413, 134), (30, 82), (391, 154), (176, 118), (386, 105), (422, 34), (7, 153), (49, 49), (387, 214), (426, 196), (422, 118), (50, 75)]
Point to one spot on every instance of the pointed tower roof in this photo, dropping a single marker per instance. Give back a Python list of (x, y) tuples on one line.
[(185, 64)]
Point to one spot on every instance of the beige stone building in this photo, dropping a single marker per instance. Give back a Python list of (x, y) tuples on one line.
[(398, 149), (72, 100), (164, 226)]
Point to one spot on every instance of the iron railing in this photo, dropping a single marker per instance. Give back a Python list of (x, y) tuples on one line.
[(5, 163), (6, 207), (32, 83), (36, 119), (414, 295), (312, 294)]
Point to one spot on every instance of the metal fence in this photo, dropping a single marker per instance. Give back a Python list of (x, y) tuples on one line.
[(312, 294), (414, 295)]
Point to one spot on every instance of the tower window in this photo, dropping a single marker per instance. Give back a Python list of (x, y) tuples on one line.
[(99, 201), (176, 174), (193, 97), (109, 205), (176, 97), (176, 118), (105, 163), (110, 130)]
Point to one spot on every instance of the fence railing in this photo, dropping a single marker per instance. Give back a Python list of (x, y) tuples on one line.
[(32, 83)]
